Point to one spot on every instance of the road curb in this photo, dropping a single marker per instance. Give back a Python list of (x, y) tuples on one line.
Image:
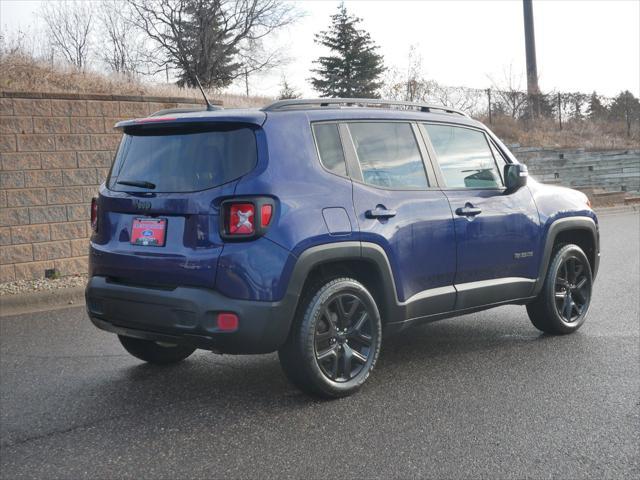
[(41, 301), (617, 209)]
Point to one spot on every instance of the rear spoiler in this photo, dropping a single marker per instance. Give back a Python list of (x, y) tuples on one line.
[(178, 117)]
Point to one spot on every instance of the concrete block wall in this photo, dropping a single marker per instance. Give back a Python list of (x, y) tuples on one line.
[(55, 149), (608, 170)]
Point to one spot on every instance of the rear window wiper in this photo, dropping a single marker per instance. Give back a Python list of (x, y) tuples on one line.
[(137, 183)]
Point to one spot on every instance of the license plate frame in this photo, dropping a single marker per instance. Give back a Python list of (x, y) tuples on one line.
[(149, 232)]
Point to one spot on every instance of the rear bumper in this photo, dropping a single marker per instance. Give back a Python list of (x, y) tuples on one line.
[(187, 315)]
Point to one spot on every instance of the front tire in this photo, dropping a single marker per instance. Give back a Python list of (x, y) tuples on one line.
[(335, 340), (563, 303), (153, 352)]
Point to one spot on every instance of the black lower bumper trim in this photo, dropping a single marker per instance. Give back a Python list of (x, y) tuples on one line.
[(187, 316)]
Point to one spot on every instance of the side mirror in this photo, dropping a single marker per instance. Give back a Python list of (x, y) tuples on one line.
[(515, 176)]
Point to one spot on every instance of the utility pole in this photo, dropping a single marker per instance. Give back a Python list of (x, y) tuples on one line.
[(532, 68)]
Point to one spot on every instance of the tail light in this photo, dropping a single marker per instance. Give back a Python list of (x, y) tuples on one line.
[(266, 211), (246, 218), (242, 219), (94, 214)]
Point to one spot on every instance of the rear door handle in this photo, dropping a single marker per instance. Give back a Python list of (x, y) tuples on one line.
[(380, 213), (468, 211)]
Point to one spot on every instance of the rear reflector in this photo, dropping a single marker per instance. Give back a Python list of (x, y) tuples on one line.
[(228, 322), (241, 218)]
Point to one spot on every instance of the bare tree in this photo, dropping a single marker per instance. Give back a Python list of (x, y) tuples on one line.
[(410, 85), (577, 104), (69, 27), (124, 51), (207, 38), (510, 94), (460, 98), (255, 58), (414, 81)]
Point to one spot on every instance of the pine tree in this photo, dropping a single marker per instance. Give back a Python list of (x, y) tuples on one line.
[(287, 91), (625, 107), (207, 53), (596, 110), (354, 67)]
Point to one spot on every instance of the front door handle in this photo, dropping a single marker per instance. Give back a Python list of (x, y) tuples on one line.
[(380, 213), (468, 211)]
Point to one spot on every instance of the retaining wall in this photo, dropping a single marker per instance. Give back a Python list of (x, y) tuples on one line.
[(609, 170), (55, 149)]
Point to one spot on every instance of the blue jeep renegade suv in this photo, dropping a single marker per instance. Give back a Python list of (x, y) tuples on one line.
[(311, 227)]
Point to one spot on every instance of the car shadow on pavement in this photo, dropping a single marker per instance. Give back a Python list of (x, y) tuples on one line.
[(427, 362), (257, 381)]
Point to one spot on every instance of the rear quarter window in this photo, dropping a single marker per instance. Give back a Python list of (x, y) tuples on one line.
[(183, 160), (330, 147)]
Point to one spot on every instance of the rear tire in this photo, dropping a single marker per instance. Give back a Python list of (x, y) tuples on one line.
[(154, 353), (335, 339), (563, 303)]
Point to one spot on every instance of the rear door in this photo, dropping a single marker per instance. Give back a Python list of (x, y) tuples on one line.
[(497, 232), (398, 209), (159, 209)]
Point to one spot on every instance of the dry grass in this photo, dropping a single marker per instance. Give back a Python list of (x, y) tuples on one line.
[(25, 74), (585, 134)]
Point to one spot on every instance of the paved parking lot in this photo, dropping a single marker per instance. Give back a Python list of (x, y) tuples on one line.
[(485, 395)]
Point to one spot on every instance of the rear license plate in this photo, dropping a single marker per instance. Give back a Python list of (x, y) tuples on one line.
[(149, 231)]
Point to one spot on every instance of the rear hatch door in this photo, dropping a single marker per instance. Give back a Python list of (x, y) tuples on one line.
[(158, 219)]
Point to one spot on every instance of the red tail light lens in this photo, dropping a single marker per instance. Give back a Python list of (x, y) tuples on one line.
[(246, 218), (94, 214), (242, 218), (265, 215)]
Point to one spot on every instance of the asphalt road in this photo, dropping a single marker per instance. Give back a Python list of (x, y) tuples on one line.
[(481, 396)]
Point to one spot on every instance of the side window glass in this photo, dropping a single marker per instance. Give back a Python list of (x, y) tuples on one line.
[(330, 147), (500, 161), (388, 155), (464, 157)]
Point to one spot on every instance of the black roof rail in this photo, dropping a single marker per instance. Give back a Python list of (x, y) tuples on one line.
[(161, 113), (302, 103)]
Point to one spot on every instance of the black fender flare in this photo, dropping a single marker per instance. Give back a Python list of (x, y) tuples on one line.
[(342, 251), (563, 225)]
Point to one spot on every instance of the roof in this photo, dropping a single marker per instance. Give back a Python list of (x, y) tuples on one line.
[(313, 110)]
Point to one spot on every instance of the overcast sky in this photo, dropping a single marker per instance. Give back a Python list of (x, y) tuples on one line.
[(581, 45)]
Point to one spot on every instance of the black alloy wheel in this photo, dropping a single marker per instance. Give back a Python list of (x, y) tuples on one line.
[(572, 289), (335, 339), (343, 337), (563, 302)]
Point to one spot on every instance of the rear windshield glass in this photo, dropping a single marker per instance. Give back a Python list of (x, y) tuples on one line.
[(162, 160)]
